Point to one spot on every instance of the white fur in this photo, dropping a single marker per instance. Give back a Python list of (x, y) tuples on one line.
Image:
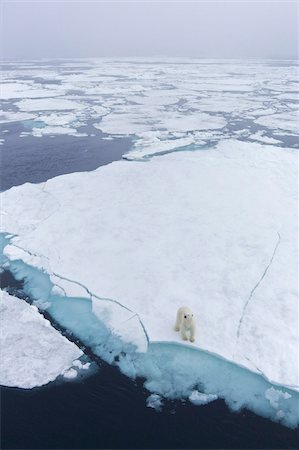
[(185, 323)]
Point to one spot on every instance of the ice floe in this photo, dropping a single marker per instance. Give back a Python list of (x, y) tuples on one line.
[(287, 121), (33, 353), (15, 116), (261, 137), (23, 90), (211, 229), (48, 104)]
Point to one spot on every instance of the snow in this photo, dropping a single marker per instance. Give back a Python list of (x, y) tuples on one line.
[(48, 104), (23, 90), (32, 352), (127, 124), (123, 124), (211, 229), (53, 130), (12, 116)]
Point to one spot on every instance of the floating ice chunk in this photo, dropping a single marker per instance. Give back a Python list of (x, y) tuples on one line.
[(86, 366), (70, 374), (260, 137), (287, 121), (27, 90), (56, 120), (222, 103), (77, 363), (157, 98), (199, 398), (49, 104), (54, 130), (123, 124), (155, 146), (135, 122), (275, 396), (154, 401), (32, 352), (190, 122), (12, 116)]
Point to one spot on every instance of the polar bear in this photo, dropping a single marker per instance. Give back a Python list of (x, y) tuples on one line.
[(185, 323)]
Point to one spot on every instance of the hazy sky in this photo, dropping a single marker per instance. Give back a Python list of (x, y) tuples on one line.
[(41, 29)]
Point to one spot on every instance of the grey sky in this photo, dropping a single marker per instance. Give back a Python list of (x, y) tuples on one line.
[(41, 29)]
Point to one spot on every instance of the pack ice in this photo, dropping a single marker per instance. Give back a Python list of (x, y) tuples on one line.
[(33, 353), (214, 229)]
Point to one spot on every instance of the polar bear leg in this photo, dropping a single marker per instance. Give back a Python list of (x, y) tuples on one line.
[(192, 333), (183, 334), (179, 317)]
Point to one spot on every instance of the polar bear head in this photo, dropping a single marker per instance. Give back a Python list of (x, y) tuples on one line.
[(188, 317)]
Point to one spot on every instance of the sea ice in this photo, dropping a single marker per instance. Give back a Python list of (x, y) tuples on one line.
[(154, 146), (18, 90), (48, 104), (198, 398), (260, 137), (15, 116), (154, 401), (287, 121), (275, 395), (211, 229), (70, 374), (133, 97), (33, 353), (53, 130)]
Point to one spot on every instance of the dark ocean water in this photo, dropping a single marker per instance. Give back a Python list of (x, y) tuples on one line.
[(37, 159), (108, 410)]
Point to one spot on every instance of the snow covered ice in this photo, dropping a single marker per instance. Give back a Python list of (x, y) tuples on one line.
[(202, 214), (213, 229), (33, 353)]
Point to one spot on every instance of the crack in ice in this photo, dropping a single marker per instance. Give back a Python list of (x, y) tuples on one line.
[(285, 385), (90, 294), (257, 285)]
